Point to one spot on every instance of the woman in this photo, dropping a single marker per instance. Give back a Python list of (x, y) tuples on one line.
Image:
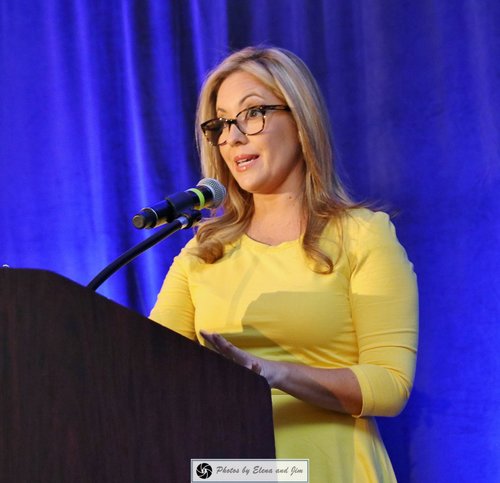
[(294, 280)]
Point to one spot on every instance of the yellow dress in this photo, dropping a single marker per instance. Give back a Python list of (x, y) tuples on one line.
[(267, 301)]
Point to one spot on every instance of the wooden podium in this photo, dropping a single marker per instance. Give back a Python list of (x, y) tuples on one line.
[(93, 392)]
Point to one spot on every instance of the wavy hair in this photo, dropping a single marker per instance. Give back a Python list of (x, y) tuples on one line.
[(324, 197)]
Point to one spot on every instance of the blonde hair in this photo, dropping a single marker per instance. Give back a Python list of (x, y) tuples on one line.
[(287, 77)]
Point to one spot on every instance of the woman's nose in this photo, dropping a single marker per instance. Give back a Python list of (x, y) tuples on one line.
[(235, 136)]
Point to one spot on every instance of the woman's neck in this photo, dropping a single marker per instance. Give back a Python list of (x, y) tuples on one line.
[(277, 218)]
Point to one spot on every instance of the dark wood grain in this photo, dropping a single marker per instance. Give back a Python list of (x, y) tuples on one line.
[(92, 392)]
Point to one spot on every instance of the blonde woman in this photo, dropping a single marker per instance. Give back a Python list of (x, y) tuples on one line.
[(293, 280)]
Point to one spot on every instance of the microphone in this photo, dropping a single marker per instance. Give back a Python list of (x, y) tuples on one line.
[(208, 193)]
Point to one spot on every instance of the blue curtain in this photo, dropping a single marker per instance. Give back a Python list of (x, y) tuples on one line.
[(97, 104)]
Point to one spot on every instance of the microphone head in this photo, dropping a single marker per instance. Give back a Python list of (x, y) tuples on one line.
[(217, 188)]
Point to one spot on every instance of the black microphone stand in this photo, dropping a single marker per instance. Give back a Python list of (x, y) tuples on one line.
[(186, 220)]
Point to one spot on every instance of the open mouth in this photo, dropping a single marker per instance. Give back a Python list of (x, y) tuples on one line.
[(244, 160)]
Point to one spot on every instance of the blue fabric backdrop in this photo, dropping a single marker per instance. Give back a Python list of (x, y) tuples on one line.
[(97, 103)]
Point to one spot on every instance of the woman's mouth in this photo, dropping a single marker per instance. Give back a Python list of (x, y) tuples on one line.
[(243, 161)]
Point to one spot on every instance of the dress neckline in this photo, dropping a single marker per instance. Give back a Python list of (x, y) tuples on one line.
[(258, 245)]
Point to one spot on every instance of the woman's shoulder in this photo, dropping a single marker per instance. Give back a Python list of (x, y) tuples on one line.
[(361, 227), (352, 220), (364, 215), (186, 252), (365, 230), (190, 253), (355, 220)]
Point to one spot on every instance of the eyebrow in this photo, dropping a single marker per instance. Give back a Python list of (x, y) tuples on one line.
[(220, 110)]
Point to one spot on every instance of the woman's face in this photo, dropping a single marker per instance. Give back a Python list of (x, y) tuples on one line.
[(271, 161)]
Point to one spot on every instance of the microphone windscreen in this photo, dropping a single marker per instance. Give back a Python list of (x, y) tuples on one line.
[(217, 188)]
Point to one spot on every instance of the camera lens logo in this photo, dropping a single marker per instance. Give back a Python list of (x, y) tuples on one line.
[(204, 470)]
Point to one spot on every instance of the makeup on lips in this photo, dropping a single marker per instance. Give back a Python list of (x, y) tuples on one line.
[(244, 161)]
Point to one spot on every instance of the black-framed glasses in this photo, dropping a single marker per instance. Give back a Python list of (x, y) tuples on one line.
[(249, 121)]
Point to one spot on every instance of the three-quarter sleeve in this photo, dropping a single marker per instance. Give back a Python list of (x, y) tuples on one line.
[(174, 307), (384, 304)]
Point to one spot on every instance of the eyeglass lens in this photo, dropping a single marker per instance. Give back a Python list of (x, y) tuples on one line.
[(250, 121)]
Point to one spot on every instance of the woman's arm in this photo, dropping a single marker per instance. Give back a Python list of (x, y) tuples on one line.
[(335, 389), (174, 308)]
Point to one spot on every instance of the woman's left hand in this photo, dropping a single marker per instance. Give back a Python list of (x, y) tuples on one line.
[(268, 369)]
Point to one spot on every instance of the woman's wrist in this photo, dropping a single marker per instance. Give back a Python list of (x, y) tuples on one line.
[(278, 374)]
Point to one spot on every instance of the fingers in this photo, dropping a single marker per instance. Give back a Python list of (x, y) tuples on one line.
[(220, 344), (256, 367), (260, 366), (225, 348)]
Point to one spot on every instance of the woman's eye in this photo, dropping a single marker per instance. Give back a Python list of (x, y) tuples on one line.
[(254, 113)]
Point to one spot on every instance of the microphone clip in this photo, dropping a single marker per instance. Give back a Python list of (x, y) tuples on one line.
[(189, 218)]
